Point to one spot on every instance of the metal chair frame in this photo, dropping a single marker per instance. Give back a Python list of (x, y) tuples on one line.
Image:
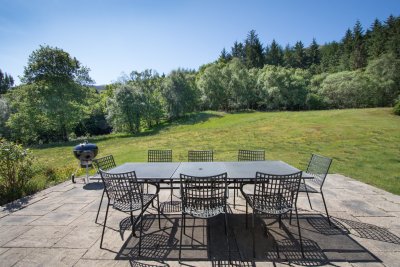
[(275, 195), (158, 155), (200, 155), (161, 155), (204, 197), (105, 163), (125, 193), (247, 155), (318, 167)]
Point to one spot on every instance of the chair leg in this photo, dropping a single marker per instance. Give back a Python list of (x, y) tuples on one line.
[(234, 195), (133, 224), (298, 228), (227, 235), (101, 201), (254, 235), (184, 223), (290, 218), (326, 209), (308, 195), (158, 210), (180, 239), (172, 191), (104, 225), (140, 233), (247, 226)]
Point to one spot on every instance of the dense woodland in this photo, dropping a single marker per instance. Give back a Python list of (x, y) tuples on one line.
[(56, 102)]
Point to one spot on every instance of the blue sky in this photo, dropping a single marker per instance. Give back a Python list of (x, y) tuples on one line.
[(115, 37)]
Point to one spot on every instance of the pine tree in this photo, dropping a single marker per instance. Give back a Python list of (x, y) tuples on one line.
[(238, 51), (224, 56), (393, 35), (359, 53), (288, 57), (346, 50), (253, 49), (6, 82), (376, 40), (274, 54), (300, 57), (313, 53)]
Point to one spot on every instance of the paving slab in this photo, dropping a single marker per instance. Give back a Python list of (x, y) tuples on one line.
[(56, 227), (39, 236)]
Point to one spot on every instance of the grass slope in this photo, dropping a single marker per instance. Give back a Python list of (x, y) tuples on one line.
[(364, 143)]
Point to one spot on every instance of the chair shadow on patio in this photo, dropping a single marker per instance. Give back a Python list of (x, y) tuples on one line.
[(322, 243)]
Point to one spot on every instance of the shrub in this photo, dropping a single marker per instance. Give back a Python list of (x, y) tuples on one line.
[(15, 170)]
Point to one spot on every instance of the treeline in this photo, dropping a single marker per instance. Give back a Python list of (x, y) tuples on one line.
[(56, 102)]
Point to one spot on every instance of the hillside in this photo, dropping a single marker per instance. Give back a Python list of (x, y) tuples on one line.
[(364, 143)]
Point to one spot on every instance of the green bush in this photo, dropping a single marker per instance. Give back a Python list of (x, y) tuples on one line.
[(396, 108), (15, 170)]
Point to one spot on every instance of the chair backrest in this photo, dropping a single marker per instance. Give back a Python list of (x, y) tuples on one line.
[(251, 155), (276, 193), (154, 155), (122, 188), (318, 167), (105, 163), (204, 197), (200, 155)]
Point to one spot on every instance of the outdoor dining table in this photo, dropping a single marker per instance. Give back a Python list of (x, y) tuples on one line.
[(157, 172)]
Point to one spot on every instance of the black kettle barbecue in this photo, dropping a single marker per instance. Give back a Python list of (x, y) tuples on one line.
[(85, 153)]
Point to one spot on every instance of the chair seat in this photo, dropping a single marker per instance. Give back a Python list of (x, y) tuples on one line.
[(125, 205), (204, 213), (307, 188), (266, 206)]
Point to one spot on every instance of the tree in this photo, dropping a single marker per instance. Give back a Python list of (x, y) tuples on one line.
[(124, 109), (224, 56), (376, 40), (393, 35), (299, 56), (6, 82), (238, 51), (346, 50), (313, 56), (253, 49), (288, 57), (180, 93), (53, 96), (274, 54), (359, 53), (4, 115)]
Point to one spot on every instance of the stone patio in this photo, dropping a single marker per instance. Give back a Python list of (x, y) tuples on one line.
[(56, 227)]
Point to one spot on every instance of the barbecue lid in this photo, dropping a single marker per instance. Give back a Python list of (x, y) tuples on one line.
[(86, 151)]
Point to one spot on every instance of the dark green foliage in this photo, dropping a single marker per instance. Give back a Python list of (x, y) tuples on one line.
[(180, 93), (253, 49), (300, 59), (396, 108), (359, 52), (6, 82), (15, 170), (274, 54)]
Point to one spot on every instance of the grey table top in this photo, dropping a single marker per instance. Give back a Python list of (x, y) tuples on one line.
[(245, 170)]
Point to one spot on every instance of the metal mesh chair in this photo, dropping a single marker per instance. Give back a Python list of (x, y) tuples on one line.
[(251, 155), (105, 163), (159, 155), (204, 197), (275, 195), (200, 155), (126, 194), (318, 167), (247, 155)]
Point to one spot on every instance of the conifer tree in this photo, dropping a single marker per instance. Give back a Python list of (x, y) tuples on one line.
[(253, 50), (6, 82), (376, 40), (274, 54), (300, 57), (238, 51), (359, 54)]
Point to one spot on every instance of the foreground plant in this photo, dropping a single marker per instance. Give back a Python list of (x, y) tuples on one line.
[(15, 170)]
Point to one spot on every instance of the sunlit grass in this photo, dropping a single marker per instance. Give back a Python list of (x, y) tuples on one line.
[(364, 143)]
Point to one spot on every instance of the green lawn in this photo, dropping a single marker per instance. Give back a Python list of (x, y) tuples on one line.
[(364, 143)]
